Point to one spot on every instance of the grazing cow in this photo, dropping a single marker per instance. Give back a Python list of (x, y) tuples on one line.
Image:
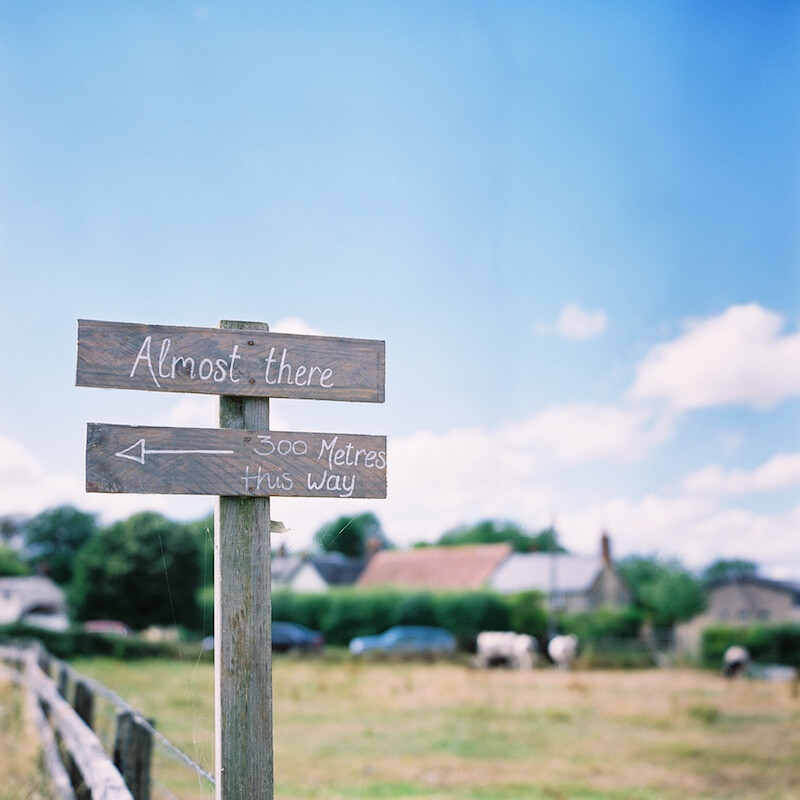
[(563, 650), (735, 661), (516, 650)]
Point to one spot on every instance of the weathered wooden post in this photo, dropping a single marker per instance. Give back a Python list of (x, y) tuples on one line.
[(242, 623), (83, 702), (243, 463), (133, 746)]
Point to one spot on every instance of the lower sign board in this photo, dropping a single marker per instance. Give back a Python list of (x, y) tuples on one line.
[(231, 462)]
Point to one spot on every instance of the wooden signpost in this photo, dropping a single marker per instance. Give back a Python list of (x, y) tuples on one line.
[(243, 463)]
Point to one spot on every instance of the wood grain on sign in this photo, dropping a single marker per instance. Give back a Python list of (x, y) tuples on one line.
[(234, 462), (225, 361)]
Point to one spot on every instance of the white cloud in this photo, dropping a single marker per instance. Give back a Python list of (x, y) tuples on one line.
[(295, 325), (582, 432), (28, 487), (193, 411), (782, 471), (574, 322), (737, 357)]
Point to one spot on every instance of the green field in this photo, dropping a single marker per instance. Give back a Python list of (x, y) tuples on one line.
[(399, 730)]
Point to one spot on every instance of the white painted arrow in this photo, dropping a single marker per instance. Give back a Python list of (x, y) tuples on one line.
[(137, 451)]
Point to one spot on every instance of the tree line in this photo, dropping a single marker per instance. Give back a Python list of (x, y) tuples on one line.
[(150, 570)]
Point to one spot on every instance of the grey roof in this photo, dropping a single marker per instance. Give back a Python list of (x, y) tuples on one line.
[(337, 569), (791, 587), (546, 572), (33, 592), (334, 568), (284, 568)]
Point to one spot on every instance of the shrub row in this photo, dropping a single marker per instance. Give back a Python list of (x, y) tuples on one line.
[(344, 613), (768, 644), (75, 642)]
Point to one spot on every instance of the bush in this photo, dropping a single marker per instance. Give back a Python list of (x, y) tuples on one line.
[(527, 613), (354, 613), (768, 644), (604, 624), (466, 614), (341, 614), (76, 642)]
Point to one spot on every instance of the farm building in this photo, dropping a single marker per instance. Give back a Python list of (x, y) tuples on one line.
[(573, 583), (34, 600), (741, 600), (749, 598), (315, 573)]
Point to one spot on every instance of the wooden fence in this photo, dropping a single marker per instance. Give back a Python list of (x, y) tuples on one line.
[(61, 705)]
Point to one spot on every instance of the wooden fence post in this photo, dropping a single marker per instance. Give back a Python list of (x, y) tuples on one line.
[(63, 679), (83, 702), (243, 624), (133, 745)]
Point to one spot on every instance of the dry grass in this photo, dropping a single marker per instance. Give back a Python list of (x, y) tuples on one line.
[(20, 762), (348, 730)]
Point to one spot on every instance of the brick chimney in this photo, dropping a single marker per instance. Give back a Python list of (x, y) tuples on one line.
[(605, 549)]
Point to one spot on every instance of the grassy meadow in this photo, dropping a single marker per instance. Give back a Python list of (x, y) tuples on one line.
[(439, 731)]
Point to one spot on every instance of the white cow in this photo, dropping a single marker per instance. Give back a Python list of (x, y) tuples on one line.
[(735, 660), (563, 650), (516, 650)]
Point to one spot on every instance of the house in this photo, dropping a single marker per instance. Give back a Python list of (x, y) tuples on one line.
[(741, 600), (570, 583), (317, 573), (34, 600), (745, 599), (435, 568)]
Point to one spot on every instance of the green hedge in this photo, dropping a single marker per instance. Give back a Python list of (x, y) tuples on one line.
[(75, 642), (341, 614), (603, 624), (768, 644)]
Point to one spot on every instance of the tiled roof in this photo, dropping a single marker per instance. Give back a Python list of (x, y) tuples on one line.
[(436, 568)]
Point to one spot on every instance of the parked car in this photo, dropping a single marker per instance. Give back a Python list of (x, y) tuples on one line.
[(406, 640), (287, 637), (290, 637), (109, 627)]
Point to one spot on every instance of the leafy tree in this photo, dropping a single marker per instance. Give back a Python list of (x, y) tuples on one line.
[(352, 536), (528, 613), (729, 569), (493, 531), (202, 530), (53, 539), (11, 564), (11, 525), (142, 571), (665, 592)]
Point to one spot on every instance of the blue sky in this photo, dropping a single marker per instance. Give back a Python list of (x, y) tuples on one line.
[(575, 225)]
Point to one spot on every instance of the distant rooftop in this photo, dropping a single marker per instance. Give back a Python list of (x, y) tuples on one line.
[(435, 568), (547, 572)]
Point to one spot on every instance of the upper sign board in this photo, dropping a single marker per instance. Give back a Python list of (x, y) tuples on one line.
[(249, 363), (233, 462)]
